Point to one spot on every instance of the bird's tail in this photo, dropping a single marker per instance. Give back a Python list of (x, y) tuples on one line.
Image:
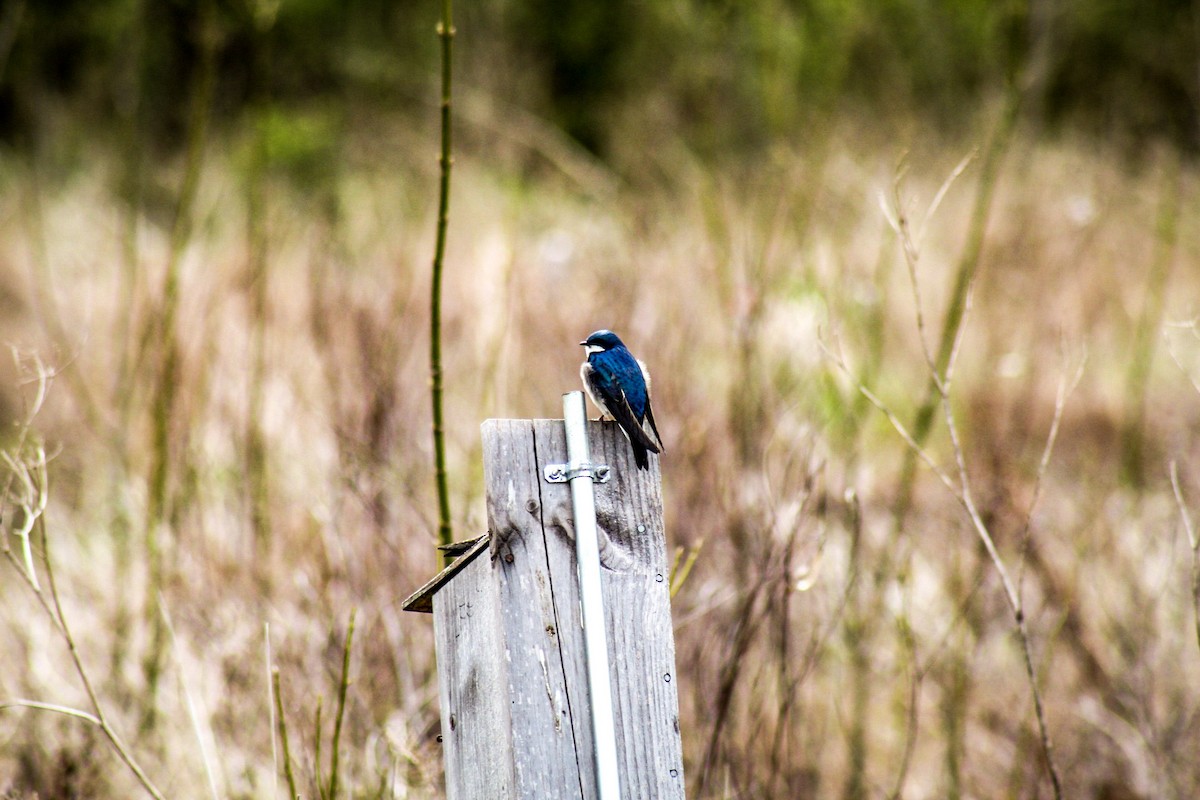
[(640, 454)]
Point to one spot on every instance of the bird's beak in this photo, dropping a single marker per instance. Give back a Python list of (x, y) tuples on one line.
[(583, 344)]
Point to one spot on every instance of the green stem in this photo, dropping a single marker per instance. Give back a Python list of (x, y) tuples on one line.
[(446, 33), (283, 736), (1166, 236), (163, 405), (317, 751), (256, 457), (60, 621), (343, 685)]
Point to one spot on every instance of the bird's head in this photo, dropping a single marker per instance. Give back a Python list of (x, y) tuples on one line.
[(600, 341)]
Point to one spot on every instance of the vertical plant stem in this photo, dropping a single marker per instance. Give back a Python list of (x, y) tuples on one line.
[(956, 690), (130, 109), (968, 265), (953, 709), (341, 709), (854, 632), (445, 535), (1166, 234), (272, 718), (317, 749), (129, 293), (749, 618), (1193, 541), (283, 736), (60, 621), (163, 403), (257, 465)]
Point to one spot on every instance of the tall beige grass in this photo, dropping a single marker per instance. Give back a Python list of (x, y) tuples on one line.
[(821, 653)]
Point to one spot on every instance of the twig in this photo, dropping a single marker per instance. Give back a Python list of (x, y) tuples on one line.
[(966, 498), (1014, 603), (942, 191), (34, 483), (101, 719), (32, 503), (968, 265), (897, 218), (941, 376), (1065, 389), (962, 493), (445, 31), (57, 709)]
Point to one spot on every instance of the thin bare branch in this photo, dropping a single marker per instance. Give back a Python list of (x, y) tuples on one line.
[(883, 408), (1065, 389), (54, 707), (955, 346), (61, 620), (941, 192), (962, 492), (912, 254)]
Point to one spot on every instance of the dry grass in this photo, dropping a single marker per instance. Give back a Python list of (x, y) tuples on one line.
[(841, 657)]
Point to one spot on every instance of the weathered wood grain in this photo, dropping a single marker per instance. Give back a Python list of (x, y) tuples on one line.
[(515, 708), (472, 686), (637, 610), (543, 747)]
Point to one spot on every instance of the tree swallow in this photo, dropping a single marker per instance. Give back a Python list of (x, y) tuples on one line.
[(619, 385)]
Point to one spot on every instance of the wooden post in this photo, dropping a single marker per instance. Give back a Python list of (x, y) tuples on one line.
[(510, 648)]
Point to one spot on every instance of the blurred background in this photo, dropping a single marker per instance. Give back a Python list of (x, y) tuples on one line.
[(216, 229)]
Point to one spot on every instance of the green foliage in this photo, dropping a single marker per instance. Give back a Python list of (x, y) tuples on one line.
[(724, 76), (300, 144)]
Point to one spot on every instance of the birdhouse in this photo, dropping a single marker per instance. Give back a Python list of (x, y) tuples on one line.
[(513, 680)]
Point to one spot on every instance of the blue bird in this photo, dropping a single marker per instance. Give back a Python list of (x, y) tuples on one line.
[(619, 385)]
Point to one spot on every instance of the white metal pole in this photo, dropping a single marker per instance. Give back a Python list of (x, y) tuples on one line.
[(587, 554)]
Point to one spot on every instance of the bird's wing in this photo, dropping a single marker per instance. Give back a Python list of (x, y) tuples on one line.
[(608, 379), (623, 414), (649, 426), (591, 384)]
